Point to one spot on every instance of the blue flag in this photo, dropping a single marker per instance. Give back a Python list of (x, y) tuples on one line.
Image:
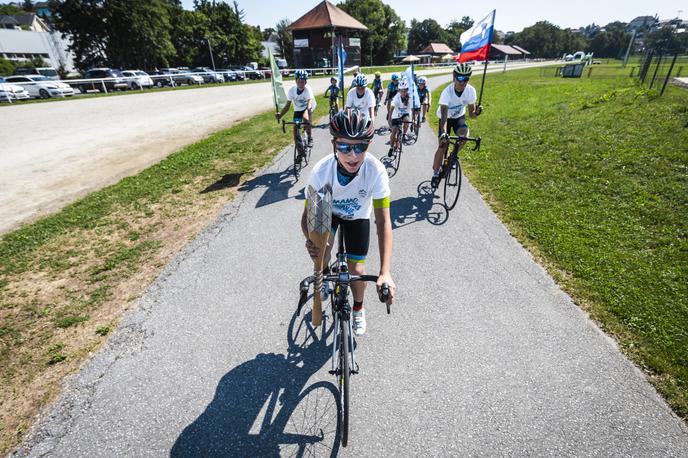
[(410, 77), (342, 60)]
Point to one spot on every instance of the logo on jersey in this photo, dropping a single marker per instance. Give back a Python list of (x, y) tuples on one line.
[(347, 207), (362, 193)]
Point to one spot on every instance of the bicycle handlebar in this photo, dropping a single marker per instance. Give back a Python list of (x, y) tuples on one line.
[(346, 277), (460, 138), (297, 123)]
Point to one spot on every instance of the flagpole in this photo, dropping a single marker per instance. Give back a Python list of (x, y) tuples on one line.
[(487, 58), (272, 84)]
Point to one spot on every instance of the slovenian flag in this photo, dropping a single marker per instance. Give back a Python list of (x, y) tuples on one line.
[(475, 43)]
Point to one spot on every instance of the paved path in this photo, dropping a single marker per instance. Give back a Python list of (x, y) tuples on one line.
[(483, 354), (53, 153)]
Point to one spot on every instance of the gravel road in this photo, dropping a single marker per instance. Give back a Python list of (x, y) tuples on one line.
[(53, 153), (483, 355)]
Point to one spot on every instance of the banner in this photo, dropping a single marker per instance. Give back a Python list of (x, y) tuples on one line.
[(278, 94), (409, 75), (475, 43), (341, 58)]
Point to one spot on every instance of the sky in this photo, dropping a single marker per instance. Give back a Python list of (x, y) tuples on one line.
[(511, 15)]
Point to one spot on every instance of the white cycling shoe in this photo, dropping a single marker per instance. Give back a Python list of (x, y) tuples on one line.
[(359, 324)]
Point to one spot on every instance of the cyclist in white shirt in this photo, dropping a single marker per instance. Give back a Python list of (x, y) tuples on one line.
[(401, 106), (360, 186), (362, 97), (304, 102), (452, 113)]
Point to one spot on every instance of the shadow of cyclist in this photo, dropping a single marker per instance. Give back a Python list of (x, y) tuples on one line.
[(277, 186), (409, 210), (250, 413)]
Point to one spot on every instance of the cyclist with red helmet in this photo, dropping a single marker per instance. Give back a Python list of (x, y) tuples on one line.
[(360, 186)]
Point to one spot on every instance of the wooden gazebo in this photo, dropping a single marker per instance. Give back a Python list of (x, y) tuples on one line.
[(318, 32)]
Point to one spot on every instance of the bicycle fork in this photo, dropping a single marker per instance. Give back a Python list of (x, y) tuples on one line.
[(335, 347)]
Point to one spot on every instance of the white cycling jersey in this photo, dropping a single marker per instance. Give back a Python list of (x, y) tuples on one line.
[(363, 103), (300, 100), (456, 105)]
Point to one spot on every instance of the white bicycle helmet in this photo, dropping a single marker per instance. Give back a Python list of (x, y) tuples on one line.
[(403, 84)]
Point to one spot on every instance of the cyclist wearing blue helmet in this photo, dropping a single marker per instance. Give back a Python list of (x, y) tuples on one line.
[(302, 97), (362, 97), (392, 89)]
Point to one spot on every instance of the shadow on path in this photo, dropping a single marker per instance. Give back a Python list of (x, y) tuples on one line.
[(276, 184), (261, 408), (409, 210)]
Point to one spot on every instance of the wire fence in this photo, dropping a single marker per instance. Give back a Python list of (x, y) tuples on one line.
[(658, 70)]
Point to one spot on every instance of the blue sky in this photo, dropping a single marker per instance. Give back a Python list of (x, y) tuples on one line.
[(511, 15)]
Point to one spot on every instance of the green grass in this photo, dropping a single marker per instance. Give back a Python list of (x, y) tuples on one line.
[(66, 278), (592, 176)]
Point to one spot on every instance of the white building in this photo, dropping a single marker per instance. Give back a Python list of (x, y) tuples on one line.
[(19, 45)]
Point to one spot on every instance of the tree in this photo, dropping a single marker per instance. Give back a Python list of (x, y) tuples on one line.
[(667, 41), (423, 33), (612, 42), (454, 31), (543, 39), (28, 6), (267, 33), (386, 30), (285, 42), (6, 66), (9, 9)]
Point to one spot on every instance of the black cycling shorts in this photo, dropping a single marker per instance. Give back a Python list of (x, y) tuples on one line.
[(455, 124), (298, 116), (400, 121), (356, 237)]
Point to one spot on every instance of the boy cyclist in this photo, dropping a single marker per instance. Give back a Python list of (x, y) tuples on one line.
[(401, 111), (377, 90), (424, 95), (333, 89), (392, 89), (359, 186), (362, 97), (452, 114), (304, 104)]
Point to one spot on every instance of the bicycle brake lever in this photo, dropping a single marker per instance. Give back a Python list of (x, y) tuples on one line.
[(384, 294), (283, 129), (477, 144)]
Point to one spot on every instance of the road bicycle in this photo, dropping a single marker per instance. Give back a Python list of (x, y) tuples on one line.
[(451, 169), (415, 122), (333, 108), (378, 101), (397, 147), (343, 359), (302, 150)]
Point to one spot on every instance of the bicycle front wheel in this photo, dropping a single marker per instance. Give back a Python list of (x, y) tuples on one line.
[(452, 183), (297, 162), (344, 374)]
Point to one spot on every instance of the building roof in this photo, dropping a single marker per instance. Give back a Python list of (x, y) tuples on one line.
[(518, 48), (506, 49), (437, 48), (326, 15), (20, 19)]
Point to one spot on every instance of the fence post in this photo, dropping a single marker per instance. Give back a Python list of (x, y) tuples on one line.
[(104, 87), (654, 75), (647, 61), (632, 71), (666, 80), (589, 72), (678, 73)]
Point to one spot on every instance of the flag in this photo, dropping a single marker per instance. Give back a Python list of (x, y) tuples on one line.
[(475, 43), (278, 94), (341, 58), (409, 76)]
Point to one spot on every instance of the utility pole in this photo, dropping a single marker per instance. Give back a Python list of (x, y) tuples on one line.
[(628, 51), (211, 53)]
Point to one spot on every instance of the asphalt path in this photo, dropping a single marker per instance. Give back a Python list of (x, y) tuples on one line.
[(53, 153), (483, 354)]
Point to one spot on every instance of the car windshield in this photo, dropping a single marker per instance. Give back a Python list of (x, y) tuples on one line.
[(117, 73), (48, 72), (140, 73), (39, 78)]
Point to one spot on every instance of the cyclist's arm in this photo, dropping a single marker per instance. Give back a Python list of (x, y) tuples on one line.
[(284, 110), (443, 118), (385, 238), (474, 111), (326, 91)]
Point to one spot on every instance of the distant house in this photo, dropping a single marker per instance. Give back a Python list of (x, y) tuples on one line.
[(24, 21), (317, 35), (437, 49), (641, 23), (504, 52)]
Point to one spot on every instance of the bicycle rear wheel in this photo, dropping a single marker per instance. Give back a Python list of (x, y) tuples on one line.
[(298, 164), (452, 183), (344, 374)]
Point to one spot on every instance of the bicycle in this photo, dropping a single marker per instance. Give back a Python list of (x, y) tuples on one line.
[(451, 169), (378, 101), (397, 147), (333, 108), (343, 366), (415, 123), (302, 151)]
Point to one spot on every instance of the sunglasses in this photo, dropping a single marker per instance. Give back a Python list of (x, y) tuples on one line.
[(462, 78), (346, 148)]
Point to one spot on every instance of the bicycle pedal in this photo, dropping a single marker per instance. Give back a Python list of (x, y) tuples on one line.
[(335, 372)]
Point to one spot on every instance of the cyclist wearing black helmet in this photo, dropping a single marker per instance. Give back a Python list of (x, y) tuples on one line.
[(360, 185), (452, 113)]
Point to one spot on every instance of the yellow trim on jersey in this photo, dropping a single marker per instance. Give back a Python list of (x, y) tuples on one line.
[(381, 203)]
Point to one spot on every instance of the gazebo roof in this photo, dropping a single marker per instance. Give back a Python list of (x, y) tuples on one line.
[(518, 48), (437, 48), (326, 15), (506, 49)]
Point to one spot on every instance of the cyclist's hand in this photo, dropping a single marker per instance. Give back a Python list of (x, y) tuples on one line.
[(313, 250), (444, 138), (278, 116), (386, 278), (478, 110)]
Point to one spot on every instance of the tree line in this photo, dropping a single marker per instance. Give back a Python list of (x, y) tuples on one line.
[(155, 33)]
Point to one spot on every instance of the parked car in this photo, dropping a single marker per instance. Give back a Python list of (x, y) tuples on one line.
[(112, 79), (12, 92), (253, 74), (40, 86), (240, 72), (137, 79), (266, 71), (209, 75), (48, 72), (182, 76), (161, 78), (229, 75)]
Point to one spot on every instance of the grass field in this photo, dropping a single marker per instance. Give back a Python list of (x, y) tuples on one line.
[(66, 279), (591, 175)]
